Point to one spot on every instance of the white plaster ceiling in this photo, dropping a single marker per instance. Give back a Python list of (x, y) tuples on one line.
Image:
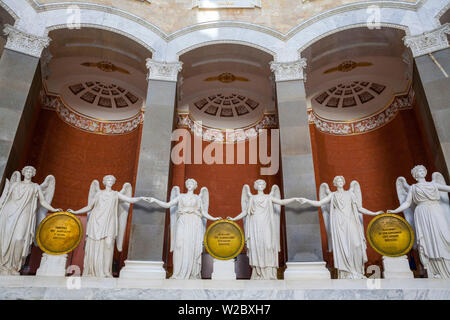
[(372, 88), (102, 44), (85, 56), (371, 57), (77, 85), (353, 43), (251, 79)]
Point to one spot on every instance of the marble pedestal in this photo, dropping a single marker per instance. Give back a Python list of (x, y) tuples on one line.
[(306, 270), (143, 270), (52, 265), (223, 270), (396, 268)]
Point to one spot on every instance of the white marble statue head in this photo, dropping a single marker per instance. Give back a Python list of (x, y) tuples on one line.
[(419, 172), (191, 184), (260, 185), (109, 180), (339, 181), (28, 172)]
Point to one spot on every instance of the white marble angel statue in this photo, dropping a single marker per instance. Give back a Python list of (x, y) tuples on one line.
[(426, 208), (262, 228), (106, 223), (23, 205), (342, 212), (188, 214)]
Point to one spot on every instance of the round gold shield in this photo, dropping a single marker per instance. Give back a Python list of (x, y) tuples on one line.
[(390, 235), (224, 239), (59, 233)]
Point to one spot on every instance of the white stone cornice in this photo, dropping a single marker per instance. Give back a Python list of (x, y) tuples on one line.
[(24, 42), (286, 71), (166, 71), (428, 42)]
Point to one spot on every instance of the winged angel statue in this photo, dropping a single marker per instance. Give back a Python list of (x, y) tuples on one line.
[(426, 208), (262, 228), (342, 213), (106, 223), (23, 205), (188, 214)]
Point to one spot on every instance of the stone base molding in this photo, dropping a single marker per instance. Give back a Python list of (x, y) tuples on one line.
[(306, 270), (143, 270), (396, 268)]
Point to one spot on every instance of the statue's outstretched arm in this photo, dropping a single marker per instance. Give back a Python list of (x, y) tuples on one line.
[(405, 205), (282, 202), (315, 203), (368, 212), (44, 202), (130, 199), (442, 187), (238, 217), (163, 204), (207, 215)]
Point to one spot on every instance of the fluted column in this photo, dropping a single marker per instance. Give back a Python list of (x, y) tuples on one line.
[(432, 88), (147, 230), (302, 223), (19, 85)]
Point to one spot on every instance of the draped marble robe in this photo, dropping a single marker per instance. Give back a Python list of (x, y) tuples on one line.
[(101, 232), (17, 225), (262, 238), (349, 243), (189, 232), (432, 229)]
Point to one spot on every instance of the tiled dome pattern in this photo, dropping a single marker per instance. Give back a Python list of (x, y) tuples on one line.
[(226, 106), (349, 95), (104, 95)]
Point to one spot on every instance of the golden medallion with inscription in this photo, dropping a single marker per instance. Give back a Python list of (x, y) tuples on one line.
[(59, 233), (390, 235), (224, 239)]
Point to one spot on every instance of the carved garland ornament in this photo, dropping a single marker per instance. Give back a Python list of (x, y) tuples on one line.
[(74, 119), (343, 128), (269, 121)]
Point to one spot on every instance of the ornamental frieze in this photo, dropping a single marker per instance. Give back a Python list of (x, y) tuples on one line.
[(268, 121), (376, 121), (88, 124)]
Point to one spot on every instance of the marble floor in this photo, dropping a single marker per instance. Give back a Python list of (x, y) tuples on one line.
[(60, 288)]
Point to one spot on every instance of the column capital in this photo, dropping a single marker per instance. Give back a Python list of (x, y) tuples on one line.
[(428, 42), (166, 71), (286, 71), (23, 42)]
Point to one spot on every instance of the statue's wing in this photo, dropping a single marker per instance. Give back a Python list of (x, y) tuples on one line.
[(93, 190), (355, 188), (124, 208), (48, 190), (402, 192), (204, 196), (173, 216), (5, 193), (245, 199), (324, 191), (276, 193), (15, 177), (438, 178)]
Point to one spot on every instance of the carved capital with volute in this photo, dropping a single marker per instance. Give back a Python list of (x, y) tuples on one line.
[(23, 42), (287, 71), (428, 42), (166, 71)]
